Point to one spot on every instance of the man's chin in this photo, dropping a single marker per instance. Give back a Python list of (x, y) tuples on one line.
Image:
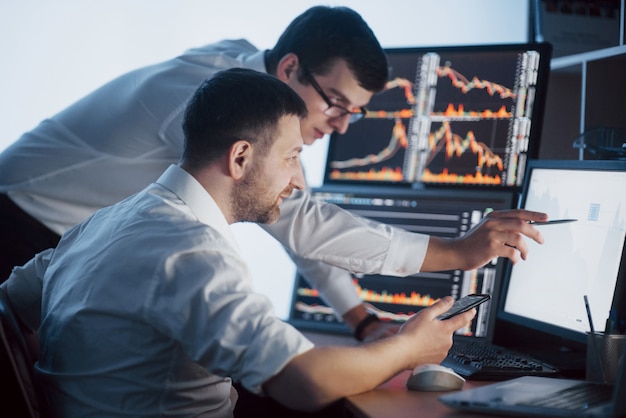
[(309, 141), (270, 217), (274, 216)]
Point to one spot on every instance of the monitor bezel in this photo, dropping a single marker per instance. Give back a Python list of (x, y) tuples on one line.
[(543, 331), (545, 50)]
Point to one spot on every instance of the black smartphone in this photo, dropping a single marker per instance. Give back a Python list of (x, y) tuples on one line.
[(465, 304)]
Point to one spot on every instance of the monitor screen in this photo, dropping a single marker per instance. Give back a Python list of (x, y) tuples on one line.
[(445, 213), (463, 115), (586, 257)]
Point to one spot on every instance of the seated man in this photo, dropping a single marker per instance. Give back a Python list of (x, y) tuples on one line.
[(147, 307)]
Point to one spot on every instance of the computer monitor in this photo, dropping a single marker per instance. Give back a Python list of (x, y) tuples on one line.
[(456, 115), (445, 213), (544, 295)]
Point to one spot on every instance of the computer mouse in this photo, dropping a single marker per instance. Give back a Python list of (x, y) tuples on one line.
[(434, 378)]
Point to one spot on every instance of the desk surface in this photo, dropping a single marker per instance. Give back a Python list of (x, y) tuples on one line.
[(392, 399)]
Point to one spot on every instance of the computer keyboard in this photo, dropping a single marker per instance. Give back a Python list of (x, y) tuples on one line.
[(478, 360)]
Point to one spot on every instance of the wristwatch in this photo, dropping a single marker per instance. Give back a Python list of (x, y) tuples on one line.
[(371, 317)]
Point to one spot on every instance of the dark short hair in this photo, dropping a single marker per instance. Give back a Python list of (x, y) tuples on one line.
[(322, 34), (236, 104)]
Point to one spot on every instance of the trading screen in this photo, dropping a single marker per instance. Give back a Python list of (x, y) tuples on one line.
[(456, 115), (438, 213), (581, 257)]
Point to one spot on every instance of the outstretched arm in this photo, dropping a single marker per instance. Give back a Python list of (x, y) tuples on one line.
[(327, 233), (323, 375), (499, 234)]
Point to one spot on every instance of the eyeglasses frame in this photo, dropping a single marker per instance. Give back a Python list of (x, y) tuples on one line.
[(355, 115)]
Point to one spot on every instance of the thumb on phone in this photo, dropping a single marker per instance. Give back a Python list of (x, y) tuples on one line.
[(442, 305)]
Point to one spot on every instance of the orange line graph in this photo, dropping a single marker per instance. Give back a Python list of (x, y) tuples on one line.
[(456, 146), (390, 114), (451, 112), (384, 174), (413, 299), (325, 310), (462, 83), (398, 140), (368, 295), (443, 139), (405, 84)]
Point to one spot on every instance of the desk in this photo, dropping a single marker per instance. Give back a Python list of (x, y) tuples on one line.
[(392, 399)]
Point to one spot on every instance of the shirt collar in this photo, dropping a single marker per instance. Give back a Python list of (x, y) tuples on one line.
[(255, 61), (201, 203)]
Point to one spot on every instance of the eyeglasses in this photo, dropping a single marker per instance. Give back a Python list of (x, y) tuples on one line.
[(334, 110)]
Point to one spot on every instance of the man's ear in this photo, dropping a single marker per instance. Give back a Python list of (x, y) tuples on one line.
[(287, 67), (239, 159)]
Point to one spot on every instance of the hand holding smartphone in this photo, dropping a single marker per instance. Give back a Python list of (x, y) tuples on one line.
[(464, 304)]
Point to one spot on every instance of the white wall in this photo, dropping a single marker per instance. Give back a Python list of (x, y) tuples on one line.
[(55, 51)]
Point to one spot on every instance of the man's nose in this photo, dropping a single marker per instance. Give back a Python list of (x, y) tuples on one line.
[(340, 124), (297, 180)]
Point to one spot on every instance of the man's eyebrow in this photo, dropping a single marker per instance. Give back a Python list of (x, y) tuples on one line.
[(339, 95)]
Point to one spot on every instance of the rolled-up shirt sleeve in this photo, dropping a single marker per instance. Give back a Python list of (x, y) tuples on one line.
[(227, 327), (325, 232)]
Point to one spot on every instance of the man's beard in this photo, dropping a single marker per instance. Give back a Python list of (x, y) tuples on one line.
[(253, 202)]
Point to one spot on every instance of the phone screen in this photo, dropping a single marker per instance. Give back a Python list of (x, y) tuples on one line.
[(464, 304)]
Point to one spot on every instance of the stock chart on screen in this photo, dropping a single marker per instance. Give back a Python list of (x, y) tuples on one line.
[(448, 116), (445, 213)]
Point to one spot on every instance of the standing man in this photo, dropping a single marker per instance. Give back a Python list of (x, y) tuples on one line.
[(147, 307), (120, 138)]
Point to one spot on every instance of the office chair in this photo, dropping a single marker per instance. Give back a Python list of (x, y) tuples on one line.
[(20, 393)]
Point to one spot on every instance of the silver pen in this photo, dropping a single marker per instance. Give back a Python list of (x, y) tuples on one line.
[(555, 221)]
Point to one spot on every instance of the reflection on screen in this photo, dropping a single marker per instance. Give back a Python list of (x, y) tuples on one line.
[(579, 258)]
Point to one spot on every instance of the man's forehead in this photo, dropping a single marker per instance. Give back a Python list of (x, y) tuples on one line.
[(288, 135), (340, 80)]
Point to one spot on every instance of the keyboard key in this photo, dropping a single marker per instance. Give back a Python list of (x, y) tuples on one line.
[(484, 361)]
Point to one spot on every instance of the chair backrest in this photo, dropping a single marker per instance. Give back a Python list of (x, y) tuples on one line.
[(20, 393)]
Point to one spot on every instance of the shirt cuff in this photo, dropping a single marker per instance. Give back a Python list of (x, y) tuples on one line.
[(406, 253)]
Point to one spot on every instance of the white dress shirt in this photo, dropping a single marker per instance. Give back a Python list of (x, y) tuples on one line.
[(121, 137), (114, 141), (148, 310)]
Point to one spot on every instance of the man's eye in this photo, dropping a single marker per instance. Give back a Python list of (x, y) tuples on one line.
[(336, 100)]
